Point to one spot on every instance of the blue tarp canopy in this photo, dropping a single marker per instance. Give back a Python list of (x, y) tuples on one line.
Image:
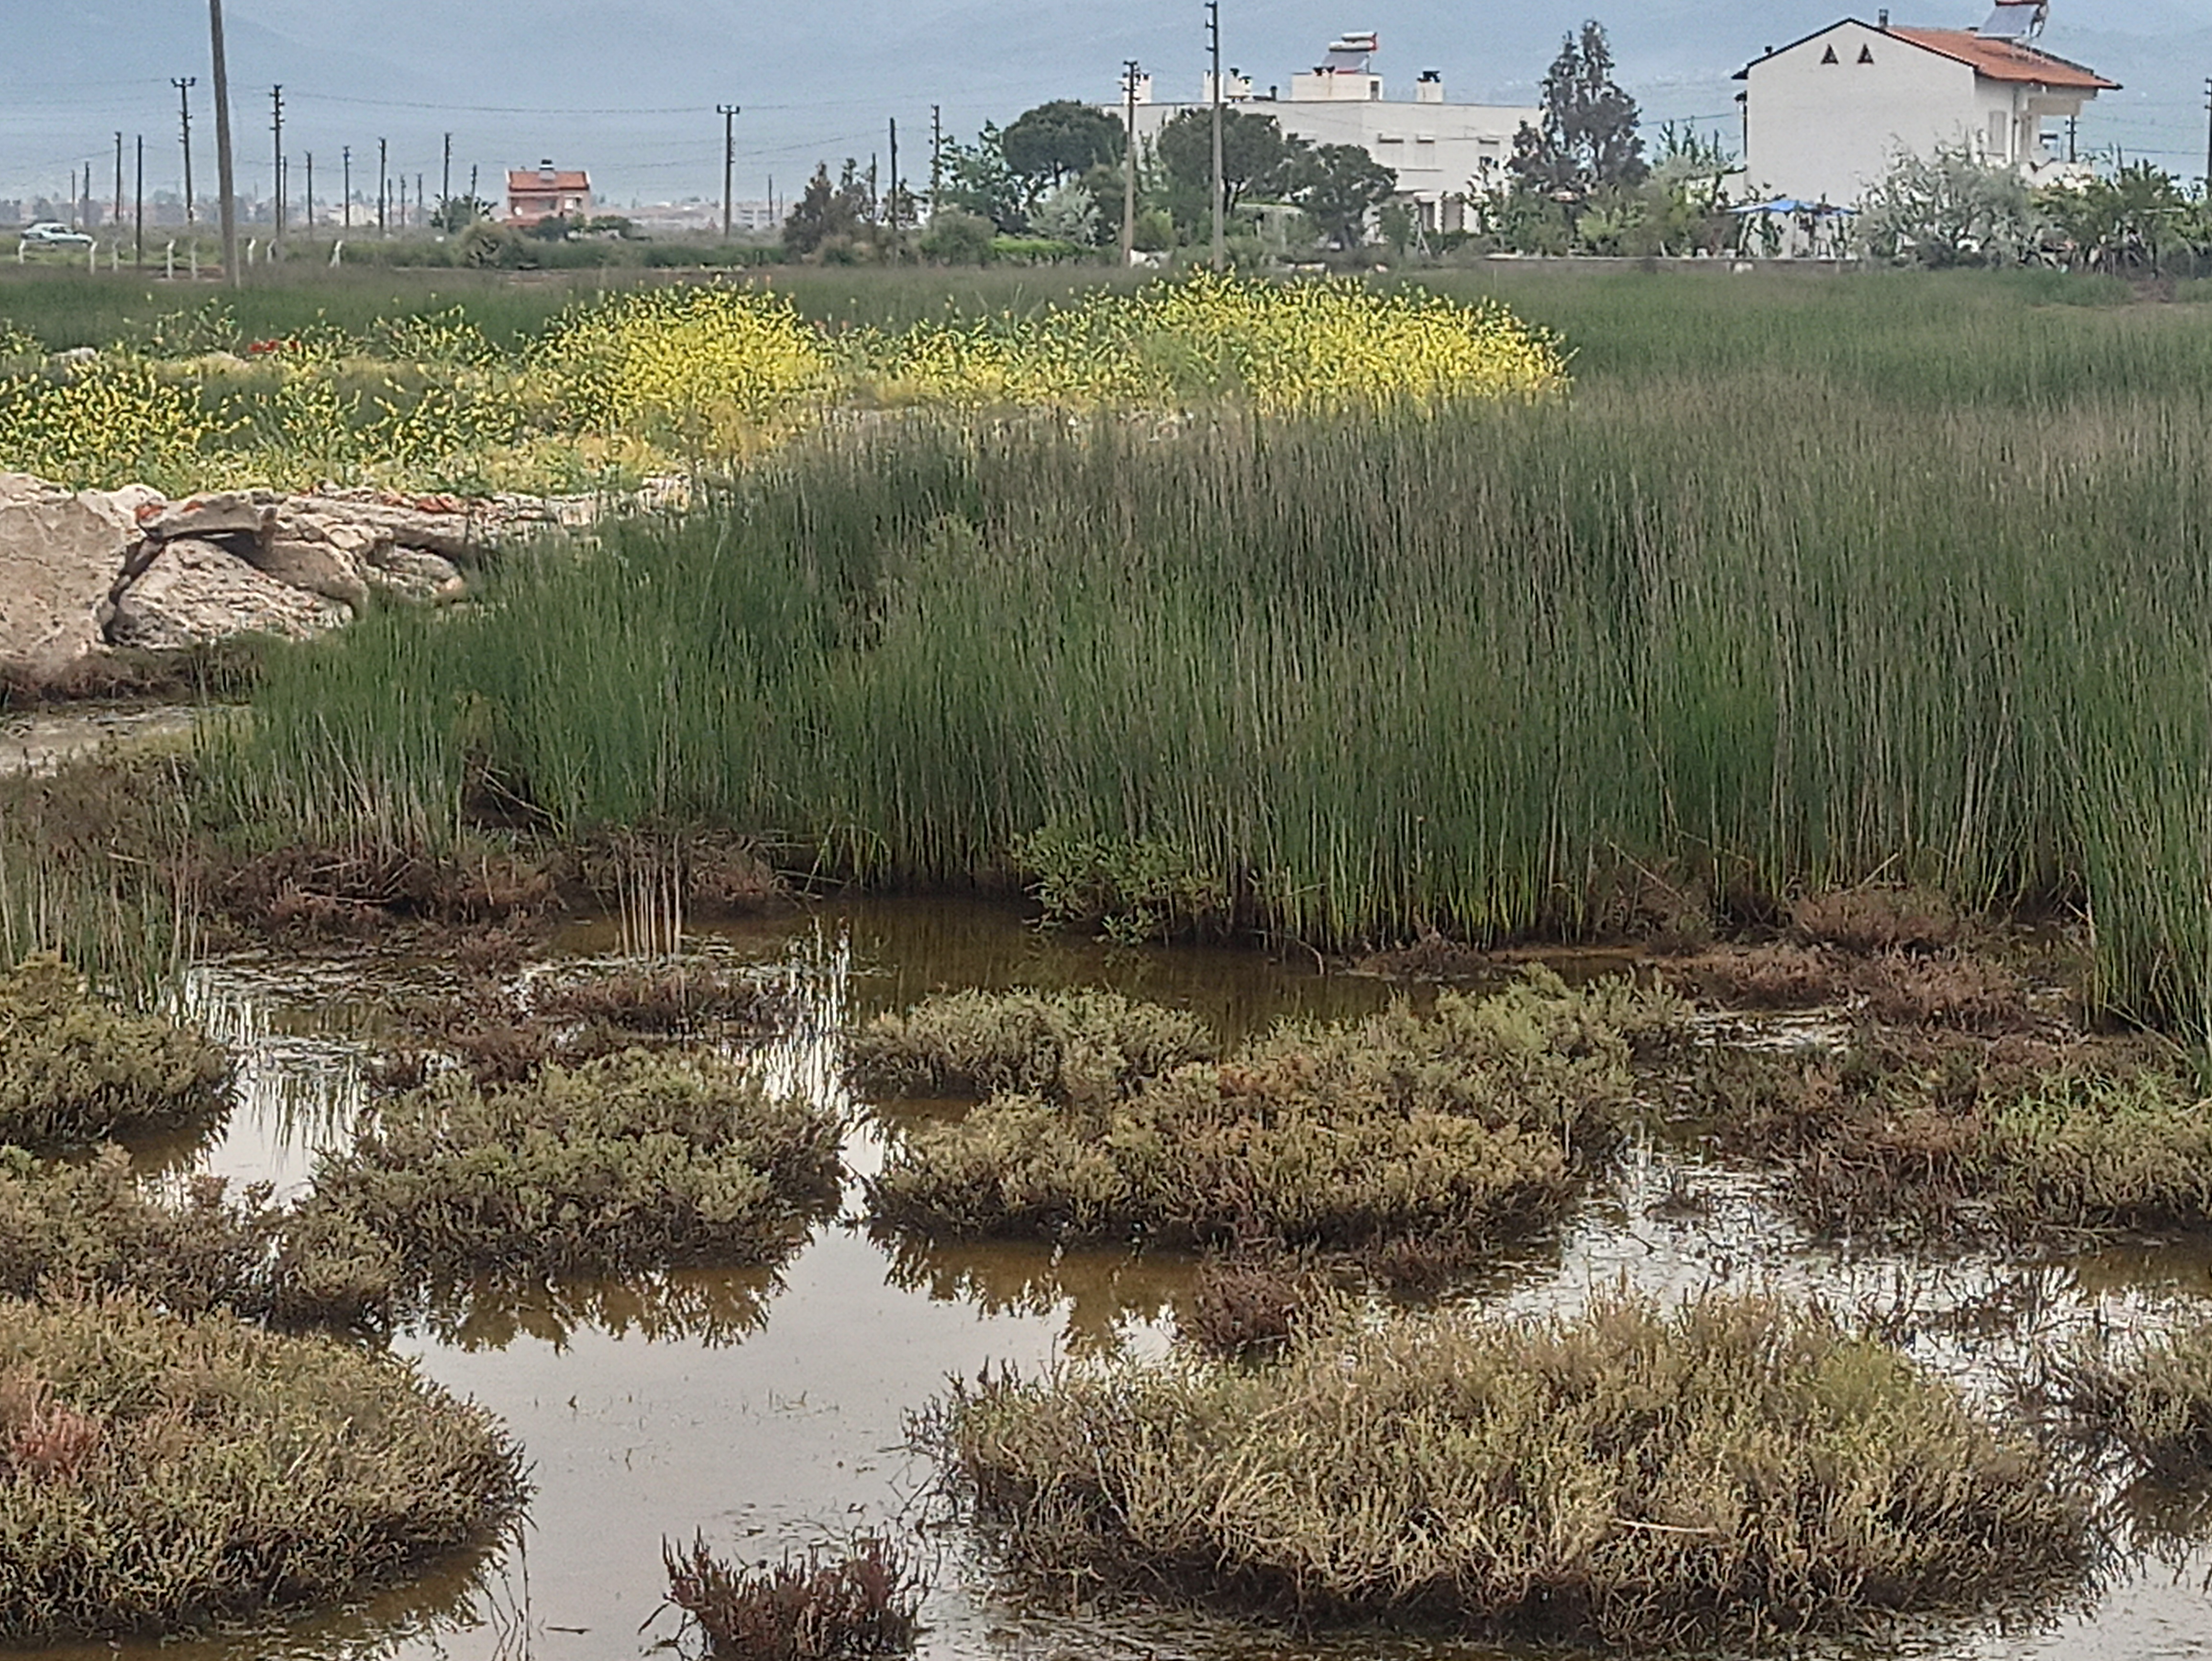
[(1790, 204)]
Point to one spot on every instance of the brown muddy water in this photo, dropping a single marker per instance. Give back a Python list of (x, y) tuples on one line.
[(767, 1411)]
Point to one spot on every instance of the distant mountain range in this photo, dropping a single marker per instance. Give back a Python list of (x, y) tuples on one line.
[(629, 91)]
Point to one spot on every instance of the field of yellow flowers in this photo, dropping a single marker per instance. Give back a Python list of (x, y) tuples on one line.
[(694, 378)]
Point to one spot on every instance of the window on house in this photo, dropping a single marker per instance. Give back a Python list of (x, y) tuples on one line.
[(1866, 54), (1829, 56), (2000, 134)]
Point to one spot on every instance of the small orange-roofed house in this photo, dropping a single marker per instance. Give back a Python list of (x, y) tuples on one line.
[(1825, 117), (547, 192)]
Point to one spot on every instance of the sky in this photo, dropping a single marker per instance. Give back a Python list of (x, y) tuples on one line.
[(628, 89)]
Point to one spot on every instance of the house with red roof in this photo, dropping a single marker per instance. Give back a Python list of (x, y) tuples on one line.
[(546, 192), (1825, 117)]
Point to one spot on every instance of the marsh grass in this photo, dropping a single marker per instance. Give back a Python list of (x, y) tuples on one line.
[(831, 1604), (1735, 1470), (75, 1070), (636, 1161), (159, 1475), (1948, 1135), (92, 1229), (1068, 1046), (2155, 1402), (1478, 1119)]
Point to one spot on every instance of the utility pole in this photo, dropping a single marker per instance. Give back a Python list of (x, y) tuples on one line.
[(138, 240), (894, 196), (118, 220), (184, 84), (277, 127), (729, 112), (1220, 196), (421, 218), (383, 191), (311, 193), (2208, 141), (445, 179), (936, 154), (1128, 163), (346, 184), (225, 177)]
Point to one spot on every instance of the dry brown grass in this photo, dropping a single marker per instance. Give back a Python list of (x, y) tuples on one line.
[(1877, 919), (1737, 1470)]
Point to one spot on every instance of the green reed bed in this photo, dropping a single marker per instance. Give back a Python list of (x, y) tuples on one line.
[(1735, 1469), (1772, 605), (1476, 1120), (159, 1475)]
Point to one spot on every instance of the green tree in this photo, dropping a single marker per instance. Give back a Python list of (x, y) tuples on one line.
[(458, 213), (2134, 221), (1588, 138), (1257, 159), (1047, 146), (827, 213), (1340, 185), (955, 237), (979, 180), (1949, 209)]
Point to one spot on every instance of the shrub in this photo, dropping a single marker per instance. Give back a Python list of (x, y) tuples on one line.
[(1733, 1469), (68, 1229), (827, 1606), (1461, 1124), (2157, 1403), (158, 1475), (636, 1161), (73, 1069), (1933, 1136), (1068, 1046)]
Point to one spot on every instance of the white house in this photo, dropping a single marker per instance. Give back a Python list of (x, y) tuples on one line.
[(1442, 152), (1825, 116)]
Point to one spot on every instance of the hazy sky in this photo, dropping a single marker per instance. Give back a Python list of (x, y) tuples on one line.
[(628, 89)]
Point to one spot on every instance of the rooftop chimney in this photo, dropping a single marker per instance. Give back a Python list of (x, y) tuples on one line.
[(1430, 89)]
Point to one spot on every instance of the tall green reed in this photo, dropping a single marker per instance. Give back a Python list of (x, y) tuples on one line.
[(1789, 626)]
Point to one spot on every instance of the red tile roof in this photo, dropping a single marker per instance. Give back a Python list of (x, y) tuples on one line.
[(2006, 60), (526, 181)]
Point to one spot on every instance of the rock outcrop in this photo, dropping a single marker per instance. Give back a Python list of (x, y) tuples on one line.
[(83, 573), (60, 552), (196, 592)]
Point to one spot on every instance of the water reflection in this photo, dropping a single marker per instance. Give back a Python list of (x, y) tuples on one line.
[(767, 1408)]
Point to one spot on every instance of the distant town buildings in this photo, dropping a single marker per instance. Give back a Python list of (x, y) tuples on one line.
[(1825, 116), (547, 192), (1443, 153)]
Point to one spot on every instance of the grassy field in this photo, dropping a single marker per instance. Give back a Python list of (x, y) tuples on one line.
[(1806, 584)]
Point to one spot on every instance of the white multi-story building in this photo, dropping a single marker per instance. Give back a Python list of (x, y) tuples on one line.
[(1825, 117), (1443, 153)]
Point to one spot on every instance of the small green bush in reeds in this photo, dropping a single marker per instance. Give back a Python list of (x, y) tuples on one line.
[(1477, 1119), (1735, 1469), (159, 1474), (75, 1070), (68, 1228), (831, 1605), (636, 1161), (1068, 1046)]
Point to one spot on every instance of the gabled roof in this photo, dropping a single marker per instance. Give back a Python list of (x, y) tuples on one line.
[(1993, 60), (528, 181), (2007, 60)]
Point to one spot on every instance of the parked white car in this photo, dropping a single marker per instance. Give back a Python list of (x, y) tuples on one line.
[(52, 233)]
